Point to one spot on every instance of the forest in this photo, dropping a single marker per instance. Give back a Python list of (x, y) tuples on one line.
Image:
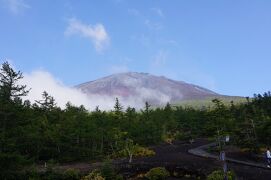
[(34, 133)]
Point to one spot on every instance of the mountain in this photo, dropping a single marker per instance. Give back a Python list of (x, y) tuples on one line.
[(141, 87)]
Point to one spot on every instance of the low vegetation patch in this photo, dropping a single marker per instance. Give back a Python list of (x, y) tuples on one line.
[(138, 151), (158, 173), (219, 175), (71, 174), (94, 175)]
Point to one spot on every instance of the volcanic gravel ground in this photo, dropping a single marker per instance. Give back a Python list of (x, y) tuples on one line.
[(175, 158)]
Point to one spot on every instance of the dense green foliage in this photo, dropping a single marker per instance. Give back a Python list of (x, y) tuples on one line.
[(94, 175), (71, 174), (219, 175), (158, 173), (208, 101), (39, 132)]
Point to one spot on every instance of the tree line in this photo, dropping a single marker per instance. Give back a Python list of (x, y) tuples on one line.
[(40, 132)]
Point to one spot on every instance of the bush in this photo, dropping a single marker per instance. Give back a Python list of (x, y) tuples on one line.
[(219, 175), (51, 174), (119, 177), (94, 175), (10, 165), (157, 173), (32, 174), (139, 152), (71, 174), (142, 152), (108, 171)]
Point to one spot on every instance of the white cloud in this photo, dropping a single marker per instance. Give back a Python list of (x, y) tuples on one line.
[(40, 81), (16, 6), (147, 93), (97, 33), (158, 11)]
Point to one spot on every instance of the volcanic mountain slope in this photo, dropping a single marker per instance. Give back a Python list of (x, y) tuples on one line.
[(142, 87)]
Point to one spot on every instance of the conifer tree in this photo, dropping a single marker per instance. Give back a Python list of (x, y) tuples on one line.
[(9, 87), (47, 102)]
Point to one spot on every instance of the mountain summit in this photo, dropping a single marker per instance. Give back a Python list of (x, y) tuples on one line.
[(142, 87)]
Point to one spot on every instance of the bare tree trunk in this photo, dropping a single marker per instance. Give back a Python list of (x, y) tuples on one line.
[(130, 158), (113, 150), (58, 148), (130, 155)]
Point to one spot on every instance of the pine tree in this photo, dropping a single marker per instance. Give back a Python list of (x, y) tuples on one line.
[(9, 87), (118, 108), (47, 102)]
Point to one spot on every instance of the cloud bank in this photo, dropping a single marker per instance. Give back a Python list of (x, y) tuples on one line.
[(96, 34), (40, 81)]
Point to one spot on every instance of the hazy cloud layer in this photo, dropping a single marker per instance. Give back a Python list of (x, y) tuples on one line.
[(16, 6), (96, 33), (40, 81)]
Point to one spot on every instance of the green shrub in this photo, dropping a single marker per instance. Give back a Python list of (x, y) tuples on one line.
[(157, 173), (138, 152), (219, 175), (71, 174), (10, 165), (119, 177), (141, 152), (108, 171), (32, 174), (94, 175), (51, 174)]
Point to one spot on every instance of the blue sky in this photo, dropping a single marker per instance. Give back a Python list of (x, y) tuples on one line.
[(222, 45)]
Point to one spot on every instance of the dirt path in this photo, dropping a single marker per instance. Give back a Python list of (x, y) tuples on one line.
[(176, 157), (201, 151)]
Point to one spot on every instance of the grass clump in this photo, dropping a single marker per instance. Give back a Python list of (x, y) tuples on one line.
[(158, 173), (219, 175), (71, 174), (94, 175)]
